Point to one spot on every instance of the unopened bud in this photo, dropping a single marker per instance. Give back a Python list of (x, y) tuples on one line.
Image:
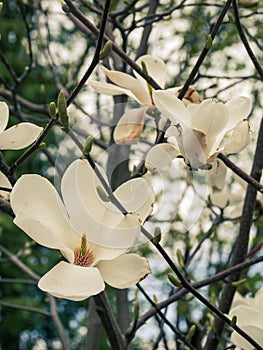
[(231, 18), (136, 310), (157, 235), (155, 299), (62, 111), (106, 50), (42, 145), (191, 332), (53, 110), (1, 6), (174, 280), (180, 257), (239, 282), (209, 42), (233, 321), (88, 145)]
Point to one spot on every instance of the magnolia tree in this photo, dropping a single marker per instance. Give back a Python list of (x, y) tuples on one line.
[(131, 154)]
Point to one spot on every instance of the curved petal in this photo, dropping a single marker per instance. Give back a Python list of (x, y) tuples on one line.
[(224, 198), (156, 68), (4, 182), (72, 282), (171, 107), (217, 175), (19, 136), (211, 118), (256, 332), (130, 83), (33, 199), (239, 139), (137, 196), (43, 234), (130, 126), (239, 108), (109, 89), (160, 156), (4, 115), (101, 221), (247, 314), (124, 271)]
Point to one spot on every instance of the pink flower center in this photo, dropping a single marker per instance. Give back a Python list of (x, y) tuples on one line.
[(84, 260)]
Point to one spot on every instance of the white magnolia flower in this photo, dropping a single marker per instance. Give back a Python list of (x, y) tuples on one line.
[(92, 234), (131, 123), (197, 130), (18, 136), (249, 313)]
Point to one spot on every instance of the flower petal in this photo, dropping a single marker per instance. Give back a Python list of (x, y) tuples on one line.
[(109, 89), (72, 282), (171, 107), (239, 139), (101, 221), (160, 156), (43, 209), (211, 118), (239, 108), (130, 126), (19, 136), (4, 115), (224, 198), (124, 271), (4, 182), (256, 332), (156, 68), (130, 83), (217, 175), (137, 196)]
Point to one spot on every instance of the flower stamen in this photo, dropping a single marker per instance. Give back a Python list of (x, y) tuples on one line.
[(83, 255)]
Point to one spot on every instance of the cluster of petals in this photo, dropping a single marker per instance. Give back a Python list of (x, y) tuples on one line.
[(197, 132), (84, 217), (16, 137), (248, 311), (130, 125)]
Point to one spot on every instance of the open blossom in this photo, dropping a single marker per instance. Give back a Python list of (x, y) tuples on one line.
[(249, 318), (131, 123), (197, 130), (17, 137), (91, 233)]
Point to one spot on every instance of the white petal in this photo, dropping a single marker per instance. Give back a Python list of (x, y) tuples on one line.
[(211, 118), (124, 271), (130, 126), (239, 108), (137, 196), (34, 199), (4, 182), (217, 175), (247, 314), (4, 115), (239, 139), (160, 156), (101, 221), (130, 83), (19, 136), (171, 107), (221, 199), (156, 69), (110, 89), (256, 332), (72, 282)]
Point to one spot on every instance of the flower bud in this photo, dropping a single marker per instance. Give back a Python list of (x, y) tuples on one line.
[(106, 50), (174, 280), (53, 110), (62, 111), (88, 145)]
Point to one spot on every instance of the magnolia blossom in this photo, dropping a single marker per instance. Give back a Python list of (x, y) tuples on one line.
[(233, 199), (91, 233), (131, 123), (197, 130), (249, 312), (17, 137)]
